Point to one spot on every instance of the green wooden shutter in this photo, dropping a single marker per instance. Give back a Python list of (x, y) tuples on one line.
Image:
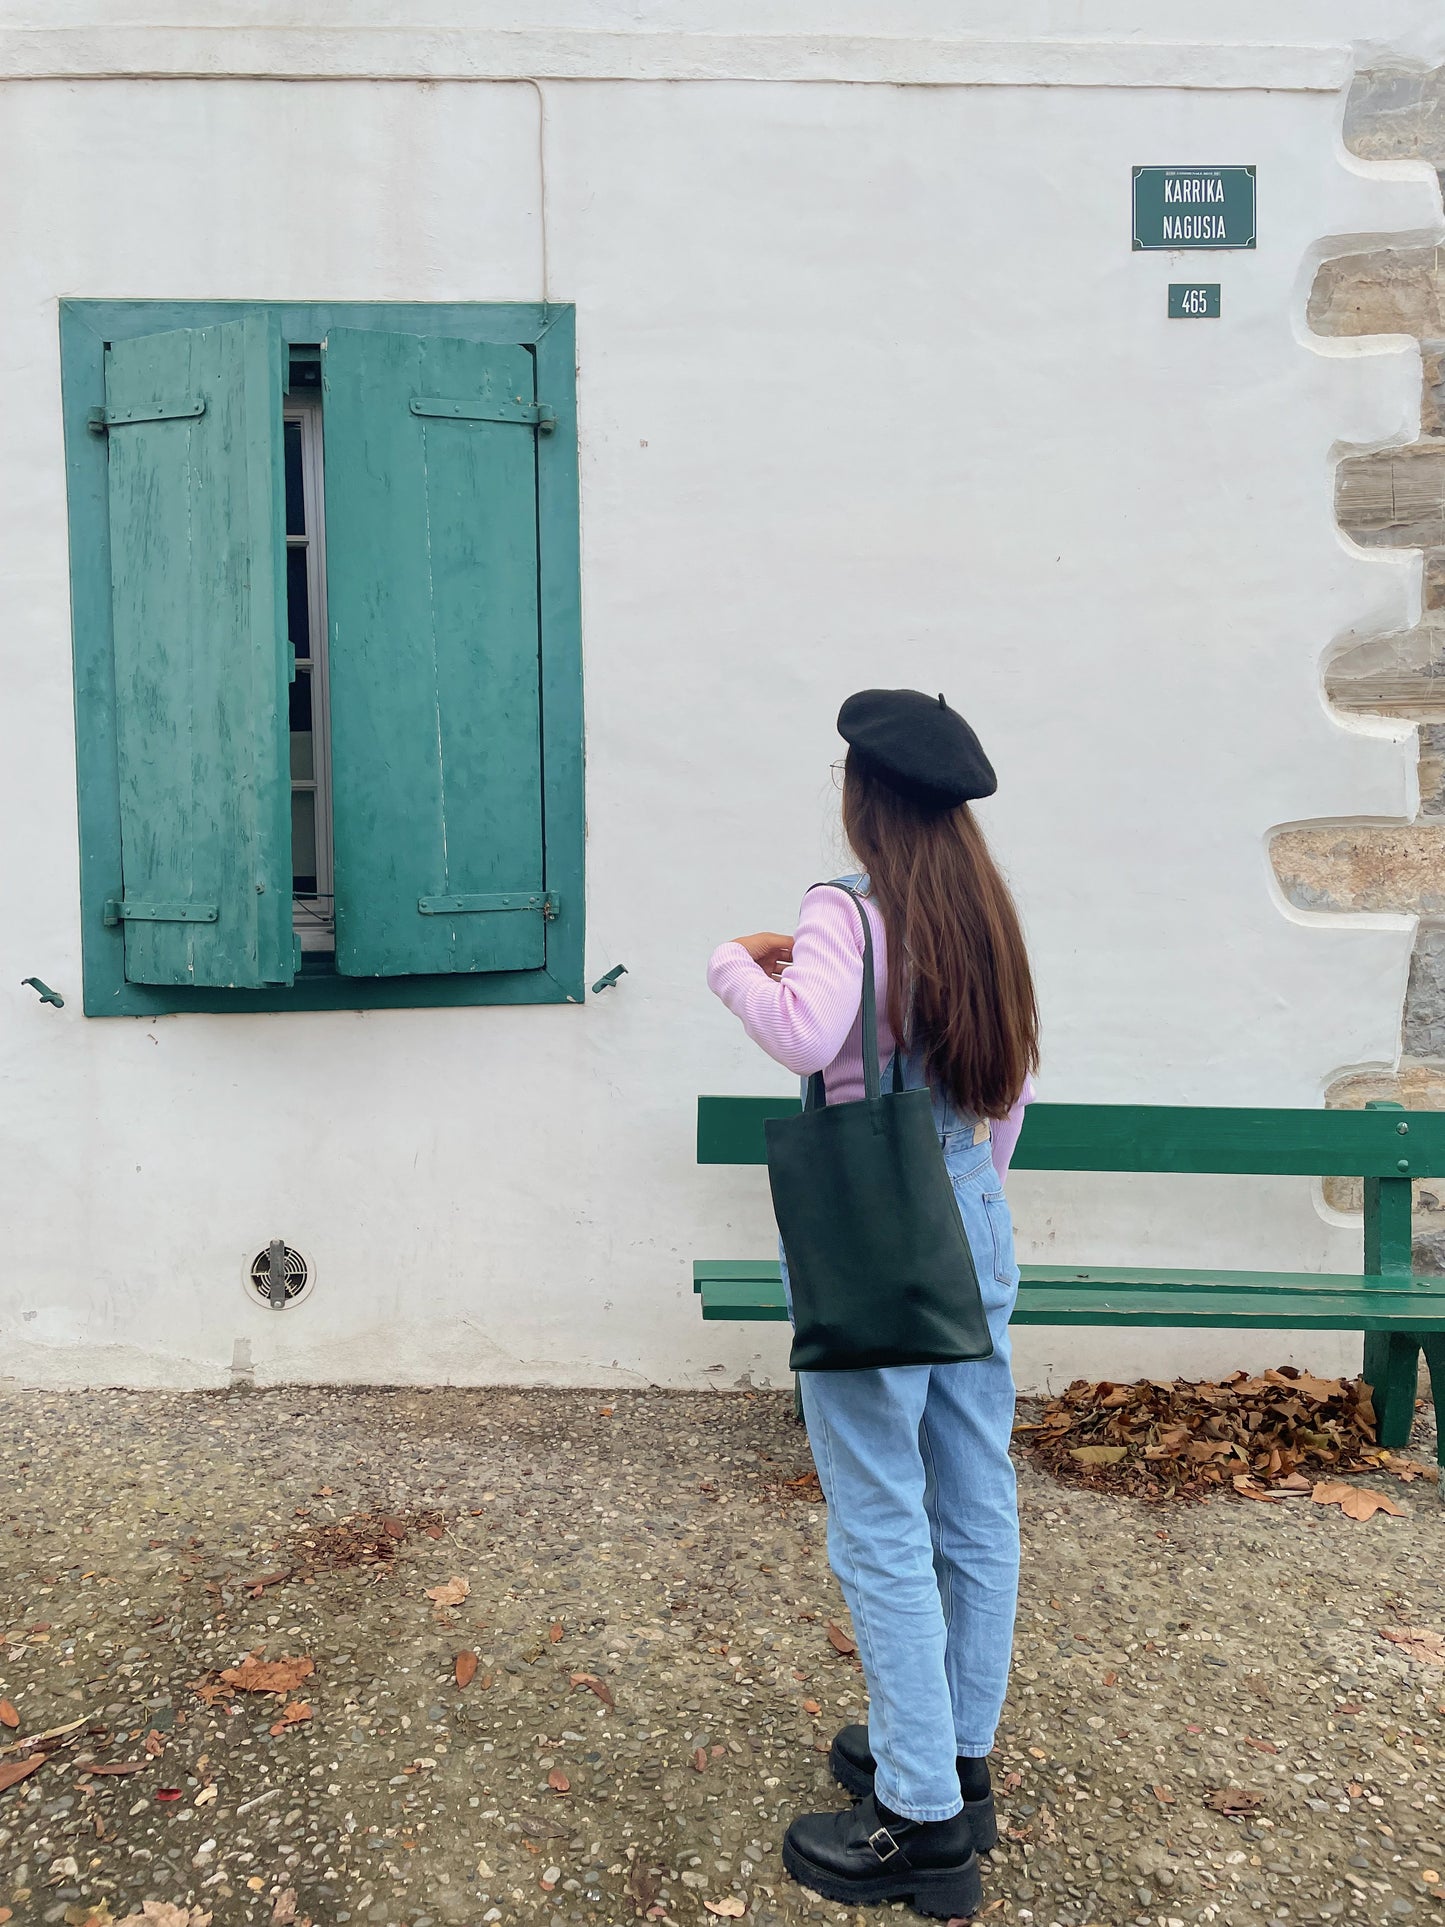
[(197, 558), (431, 564)]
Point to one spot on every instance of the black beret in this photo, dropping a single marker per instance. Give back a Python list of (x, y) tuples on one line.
[(917, 745)]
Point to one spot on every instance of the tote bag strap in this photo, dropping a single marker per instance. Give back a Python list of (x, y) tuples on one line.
[(817, 1097)]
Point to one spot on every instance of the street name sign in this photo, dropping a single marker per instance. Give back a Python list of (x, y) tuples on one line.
[(1193, 207)]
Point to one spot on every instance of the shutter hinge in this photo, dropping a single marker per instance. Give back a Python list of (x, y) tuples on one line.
[(118, 910), (547, 903), (101, 420), (487, 409)]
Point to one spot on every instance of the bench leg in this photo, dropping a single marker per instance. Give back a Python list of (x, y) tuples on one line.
[(1434, 1346), (797, 1400), (1392, 1371)]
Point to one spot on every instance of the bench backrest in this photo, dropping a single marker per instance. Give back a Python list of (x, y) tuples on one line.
[(1387, 1142)]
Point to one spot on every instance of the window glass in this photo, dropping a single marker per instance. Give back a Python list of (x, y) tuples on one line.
[(295, 493)]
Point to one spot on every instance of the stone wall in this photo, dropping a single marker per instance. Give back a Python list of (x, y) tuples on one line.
[(1394, 498)]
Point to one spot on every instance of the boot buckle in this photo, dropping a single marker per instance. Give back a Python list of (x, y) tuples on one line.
[(884, 1834)]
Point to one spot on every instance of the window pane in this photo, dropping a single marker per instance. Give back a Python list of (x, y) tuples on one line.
[(301, 701), (295, 495), (298, 613), (303, 841), (303, 756)]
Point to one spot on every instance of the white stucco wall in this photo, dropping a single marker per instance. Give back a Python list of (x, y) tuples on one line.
[(872, 390)]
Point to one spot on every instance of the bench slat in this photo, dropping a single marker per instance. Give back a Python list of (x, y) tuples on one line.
[(751, 1289), (1154, 1137)]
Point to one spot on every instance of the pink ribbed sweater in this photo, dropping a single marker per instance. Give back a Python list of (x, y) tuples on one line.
[(809, 1019)]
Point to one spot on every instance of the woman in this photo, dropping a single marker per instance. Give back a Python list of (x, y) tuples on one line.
[(913, 1460)]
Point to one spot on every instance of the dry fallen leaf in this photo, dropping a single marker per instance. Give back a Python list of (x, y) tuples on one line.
[(595, 1685), (555, 1634), (732, 1908), (465, 1668), (644, 1884), (1233, 1799), (284, 1912), (116, 1766), (255, 1675), (1244, 1485), (839, 1640), (558, 1781), (207, 1794), (452, 1593), (8, 1714), (1163, 1796), (1418, 1641), (293, 1715), (1261, 1746), (154, 1744), (1355, 1501), (1183, 1439), (13, 1771)]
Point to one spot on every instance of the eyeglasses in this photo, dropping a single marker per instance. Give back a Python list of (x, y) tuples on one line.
[(840, 770)]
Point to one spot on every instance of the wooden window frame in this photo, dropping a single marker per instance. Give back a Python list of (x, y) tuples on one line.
[(550, 331)]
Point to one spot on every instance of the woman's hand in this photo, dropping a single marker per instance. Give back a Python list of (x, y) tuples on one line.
[(767, 948)]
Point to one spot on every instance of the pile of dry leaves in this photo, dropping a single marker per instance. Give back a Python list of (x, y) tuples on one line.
[(1178, 1439)]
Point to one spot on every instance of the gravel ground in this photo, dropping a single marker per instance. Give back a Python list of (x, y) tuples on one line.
[(665, 1546)]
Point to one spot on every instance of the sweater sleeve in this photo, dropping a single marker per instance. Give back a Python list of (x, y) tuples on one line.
[(1006, 1131), (803, 1018)]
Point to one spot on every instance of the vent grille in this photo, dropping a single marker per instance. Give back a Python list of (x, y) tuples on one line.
[(298, 1276)]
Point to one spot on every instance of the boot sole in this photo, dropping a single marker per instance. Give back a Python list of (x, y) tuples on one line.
[(980, 1814), (949, 1893)]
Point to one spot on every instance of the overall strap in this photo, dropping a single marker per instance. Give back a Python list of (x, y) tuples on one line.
[(817, 1096)]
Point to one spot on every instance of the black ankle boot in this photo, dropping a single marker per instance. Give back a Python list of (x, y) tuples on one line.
[(853, 1767), (867, 1855)]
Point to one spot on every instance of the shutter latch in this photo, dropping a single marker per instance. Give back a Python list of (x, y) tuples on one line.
[(487, 408), (464, 906), (100, 421), (128, 910)]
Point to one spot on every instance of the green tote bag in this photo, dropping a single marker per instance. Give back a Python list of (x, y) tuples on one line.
[(880, 1267)]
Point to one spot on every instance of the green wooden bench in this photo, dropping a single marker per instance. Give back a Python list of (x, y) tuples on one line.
[(1388, 1147)]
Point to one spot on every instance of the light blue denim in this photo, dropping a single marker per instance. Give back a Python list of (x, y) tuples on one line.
[(923, 1518)]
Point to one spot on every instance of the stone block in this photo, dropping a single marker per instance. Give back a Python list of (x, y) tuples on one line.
[(1388, 291), (1379, 867), (1423, 1035), (1431, 772), (1397, 114), (1394, 499), (1419, 1087), (1432, 406), (1402, 674)]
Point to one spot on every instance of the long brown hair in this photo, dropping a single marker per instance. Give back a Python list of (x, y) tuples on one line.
[(959, 982)]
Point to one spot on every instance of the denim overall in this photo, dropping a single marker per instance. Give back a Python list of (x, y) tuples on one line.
[(923, 1515)]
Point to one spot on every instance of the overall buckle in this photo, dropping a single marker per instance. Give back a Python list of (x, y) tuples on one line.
[(884, 1834)]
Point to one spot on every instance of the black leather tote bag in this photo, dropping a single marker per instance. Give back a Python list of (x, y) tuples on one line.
[(880, 1266)]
